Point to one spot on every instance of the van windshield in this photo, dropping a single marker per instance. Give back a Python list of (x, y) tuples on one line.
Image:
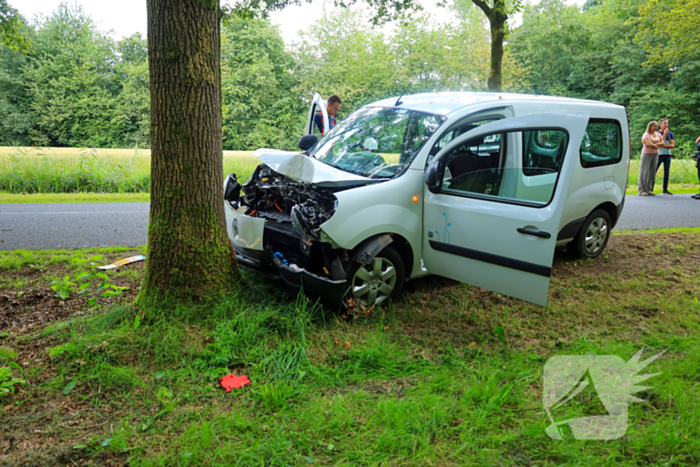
[(377, 142)]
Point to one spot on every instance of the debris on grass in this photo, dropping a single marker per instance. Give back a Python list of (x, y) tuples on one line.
[(122, 262), (234, 382)]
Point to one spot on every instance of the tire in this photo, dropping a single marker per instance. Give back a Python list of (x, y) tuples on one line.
[(374, 283), (593, 237)]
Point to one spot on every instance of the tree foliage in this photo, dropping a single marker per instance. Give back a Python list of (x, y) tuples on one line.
[(83, 88), (673, 27), (10, 28), (260, 106), (611, 50)]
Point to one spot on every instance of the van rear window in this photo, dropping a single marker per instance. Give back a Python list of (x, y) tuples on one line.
[(602, 143)]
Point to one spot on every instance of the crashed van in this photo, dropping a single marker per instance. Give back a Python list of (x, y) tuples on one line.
[(477, 187)]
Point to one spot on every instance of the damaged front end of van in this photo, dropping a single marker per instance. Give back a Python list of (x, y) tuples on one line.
[(275, 222)]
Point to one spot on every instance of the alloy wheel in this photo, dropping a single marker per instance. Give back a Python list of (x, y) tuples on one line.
[(374, 282), (596, 236)]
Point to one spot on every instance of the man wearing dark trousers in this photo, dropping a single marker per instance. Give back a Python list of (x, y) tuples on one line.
[(665, 151)]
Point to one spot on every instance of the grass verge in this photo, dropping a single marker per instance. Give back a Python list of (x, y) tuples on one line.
[(448, 375), (7, 198)]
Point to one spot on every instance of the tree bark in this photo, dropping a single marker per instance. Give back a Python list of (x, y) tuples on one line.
[(498, 34), (189, 255), (497, 23)]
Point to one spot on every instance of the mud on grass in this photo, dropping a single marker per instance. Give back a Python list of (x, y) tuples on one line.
[(424, 381)]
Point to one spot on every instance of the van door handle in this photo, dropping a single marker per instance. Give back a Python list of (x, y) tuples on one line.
[(536, 233)]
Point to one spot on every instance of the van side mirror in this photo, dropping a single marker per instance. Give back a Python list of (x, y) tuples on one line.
[(306, 142), (433, 176)]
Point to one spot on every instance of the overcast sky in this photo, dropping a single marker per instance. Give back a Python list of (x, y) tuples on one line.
[(126, 17)]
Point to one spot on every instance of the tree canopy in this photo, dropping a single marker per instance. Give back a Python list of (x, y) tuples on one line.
[(10, 24), (84, 88)]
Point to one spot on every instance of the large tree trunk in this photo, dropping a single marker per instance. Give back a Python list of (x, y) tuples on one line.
[(189, 255)]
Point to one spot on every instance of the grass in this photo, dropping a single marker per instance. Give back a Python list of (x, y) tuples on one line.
[(425, 381), (658, 189), (78, 171), (7, 198), (74, 170)]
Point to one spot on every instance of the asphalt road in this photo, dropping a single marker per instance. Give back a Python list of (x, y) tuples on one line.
[(85, 225), (78, 225)]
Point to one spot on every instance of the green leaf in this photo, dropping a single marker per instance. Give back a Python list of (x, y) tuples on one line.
[(70, 386), (501, 334), (106, 442)]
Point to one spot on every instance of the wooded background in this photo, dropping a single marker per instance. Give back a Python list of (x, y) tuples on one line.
[(76, 86)]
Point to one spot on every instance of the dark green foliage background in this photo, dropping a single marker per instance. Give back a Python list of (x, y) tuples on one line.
[(76, 86)]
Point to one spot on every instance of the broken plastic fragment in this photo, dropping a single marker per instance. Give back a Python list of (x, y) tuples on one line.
[(122, 262), (234, 382)]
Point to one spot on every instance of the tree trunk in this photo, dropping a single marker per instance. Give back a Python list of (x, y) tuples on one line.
[(498, 33), (189, 255), (497, 23)]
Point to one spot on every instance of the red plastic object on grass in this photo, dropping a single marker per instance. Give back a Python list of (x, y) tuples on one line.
[(234, 382)]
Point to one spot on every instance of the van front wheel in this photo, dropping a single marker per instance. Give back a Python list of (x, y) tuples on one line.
[(382, 278), (593, 236)]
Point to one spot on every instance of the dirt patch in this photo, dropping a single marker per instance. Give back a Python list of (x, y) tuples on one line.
[(434, 309), (634, 254), (26, 309)]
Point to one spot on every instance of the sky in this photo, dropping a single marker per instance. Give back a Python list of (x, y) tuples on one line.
[(125, 17)]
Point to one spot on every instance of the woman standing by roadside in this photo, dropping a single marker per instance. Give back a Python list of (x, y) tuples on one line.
[(650, 156)]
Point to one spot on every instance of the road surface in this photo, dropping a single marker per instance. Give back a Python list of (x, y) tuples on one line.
[(85, 225), (75, 225)]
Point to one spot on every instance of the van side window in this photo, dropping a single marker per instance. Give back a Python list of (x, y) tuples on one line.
[(544, 151), (519, 167), (454, 133), (602, 143)]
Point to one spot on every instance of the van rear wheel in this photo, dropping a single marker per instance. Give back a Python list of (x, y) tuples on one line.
[(593, 237), (381, 279)]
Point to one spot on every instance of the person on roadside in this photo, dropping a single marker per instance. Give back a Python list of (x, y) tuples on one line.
[(697, 163), (651, 141), (665, 151), (332, 108)]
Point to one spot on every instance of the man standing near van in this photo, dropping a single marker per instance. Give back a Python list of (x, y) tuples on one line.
[(665, 151), (332, 107)]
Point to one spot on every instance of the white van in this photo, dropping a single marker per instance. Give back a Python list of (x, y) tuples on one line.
[(477, 187)]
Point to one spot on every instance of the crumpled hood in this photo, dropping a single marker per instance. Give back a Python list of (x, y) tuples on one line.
[(306, 169)]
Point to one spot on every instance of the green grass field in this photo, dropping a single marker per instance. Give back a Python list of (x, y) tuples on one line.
[(72, 170), (448, 375), (126, 171)]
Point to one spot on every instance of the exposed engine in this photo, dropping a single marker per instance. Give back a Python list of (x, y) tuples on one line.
[(269, 195), (294, 212)]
